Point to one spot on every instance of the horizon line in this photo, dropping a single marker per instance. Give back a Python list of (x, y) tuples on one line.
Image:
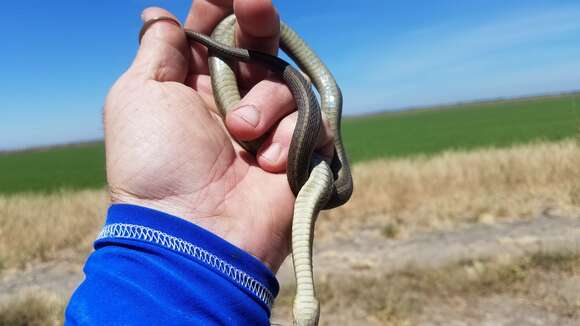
[(450, 105)]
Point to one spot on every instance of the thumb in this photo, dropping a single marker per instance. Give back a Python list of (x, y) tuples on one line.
[(164, 51)]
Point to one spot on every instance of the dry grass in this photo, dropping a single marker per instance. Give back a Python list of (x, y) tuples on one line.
[(33, 309), (394, 196), (35, 226), (461, 187), (395, 299)]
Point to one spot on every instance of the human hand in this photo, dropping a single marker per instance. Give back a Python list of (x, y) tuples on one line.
[(169, 149)]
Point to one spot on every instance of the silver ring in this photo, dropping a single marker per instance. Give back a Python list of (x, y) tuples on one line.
[(152, 21)]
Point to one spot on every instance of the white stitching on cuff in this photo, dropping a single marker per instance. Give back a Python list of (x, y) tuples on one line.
[(143, 233)]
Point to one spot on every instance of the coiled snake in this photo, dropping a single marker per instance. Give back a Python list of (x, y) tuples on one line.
[(317, 184)]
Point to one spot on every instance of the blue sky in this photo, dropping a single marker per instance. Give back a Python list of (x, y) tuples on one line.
[(59, 58)]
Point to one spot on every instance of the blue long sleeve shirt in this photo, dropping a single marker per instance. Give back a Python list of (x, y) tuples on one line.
[(152, 268)]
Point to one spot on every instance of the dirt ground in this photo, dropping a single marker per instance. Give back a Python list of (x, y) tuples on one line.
[(520, 272)]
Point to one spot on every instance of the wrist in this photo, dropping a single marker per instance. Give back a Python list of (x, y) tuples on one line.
[(227, 228)]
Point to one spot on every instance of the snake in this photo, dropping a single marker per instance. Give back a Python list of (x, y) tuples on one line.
[(317, 183)]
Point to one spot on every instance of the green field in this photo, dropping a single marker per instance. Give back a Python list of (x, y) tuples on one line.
[(428, 131), (71, 167), (499, 124)]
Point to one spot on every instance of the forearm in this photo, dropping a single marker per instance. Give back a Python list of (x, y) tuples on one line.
[(153, 268)]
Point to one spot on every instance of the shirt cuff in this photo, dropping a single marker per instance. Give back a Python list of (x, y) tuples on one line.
[(131, 223)]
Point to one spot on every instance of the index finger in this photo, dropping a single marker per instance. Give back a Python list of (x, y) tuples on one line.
[(203, 16), (257, 28)]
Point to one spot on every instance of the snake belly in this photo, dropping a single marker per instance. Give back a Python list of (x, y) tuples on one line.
[(316, 183)]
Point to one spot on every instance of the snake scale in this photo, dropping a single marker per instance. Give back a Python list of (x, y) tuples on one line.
[(317, 183)]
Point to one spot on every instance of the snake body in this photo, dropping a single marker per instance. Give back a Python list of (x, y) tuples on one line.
[(317, 184)]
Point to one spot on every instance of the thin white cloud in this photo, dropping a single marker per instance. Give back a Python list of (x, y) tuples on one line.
[(433, 65), (446, 45)]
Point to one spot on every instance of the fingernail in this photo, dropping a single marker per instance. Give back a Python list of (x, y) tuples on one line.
[(271, 153), (249, 114)]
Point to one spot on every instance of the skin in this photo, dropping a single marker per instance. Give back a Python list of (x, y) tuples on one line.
[(167, 147)]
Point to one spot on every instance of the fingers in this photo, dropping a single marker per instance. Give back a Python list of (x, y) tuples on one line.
[(203, 16), (273, 154), (263, 106), (268, 106), (257, 28), (164, 53)]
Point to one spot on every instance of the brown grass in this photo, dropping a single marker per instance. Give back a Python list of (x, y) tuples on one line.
[(460, 187), (394, 196), (33, 309), (35, 226), (394, 299)]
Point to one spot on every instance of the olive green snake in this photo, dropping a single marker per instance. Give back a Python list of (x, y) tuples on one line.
[(316, 182)]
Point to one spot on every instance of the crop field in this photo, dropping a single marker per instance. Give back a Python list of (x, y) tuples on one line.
[(72, 167), (461, 127), (387, 135)]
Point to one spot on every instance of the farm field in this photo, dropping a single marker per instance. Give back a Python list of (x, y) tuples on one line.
[(47, 170), (462, 127), (387, 135)]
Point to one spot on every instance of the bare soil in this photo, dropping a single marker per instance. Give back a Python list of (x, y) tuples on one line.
[(520, 272)]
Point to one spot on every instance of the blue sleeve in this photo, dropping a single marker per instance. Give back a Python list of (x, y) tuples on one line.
[(151, 268)]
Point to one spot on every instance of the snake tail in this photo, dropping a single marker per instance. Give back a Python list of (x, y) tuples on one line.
[(311, 198)]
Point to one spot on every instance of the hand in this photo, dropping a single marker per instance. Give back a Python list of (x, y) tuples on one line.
[(169, 149)]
